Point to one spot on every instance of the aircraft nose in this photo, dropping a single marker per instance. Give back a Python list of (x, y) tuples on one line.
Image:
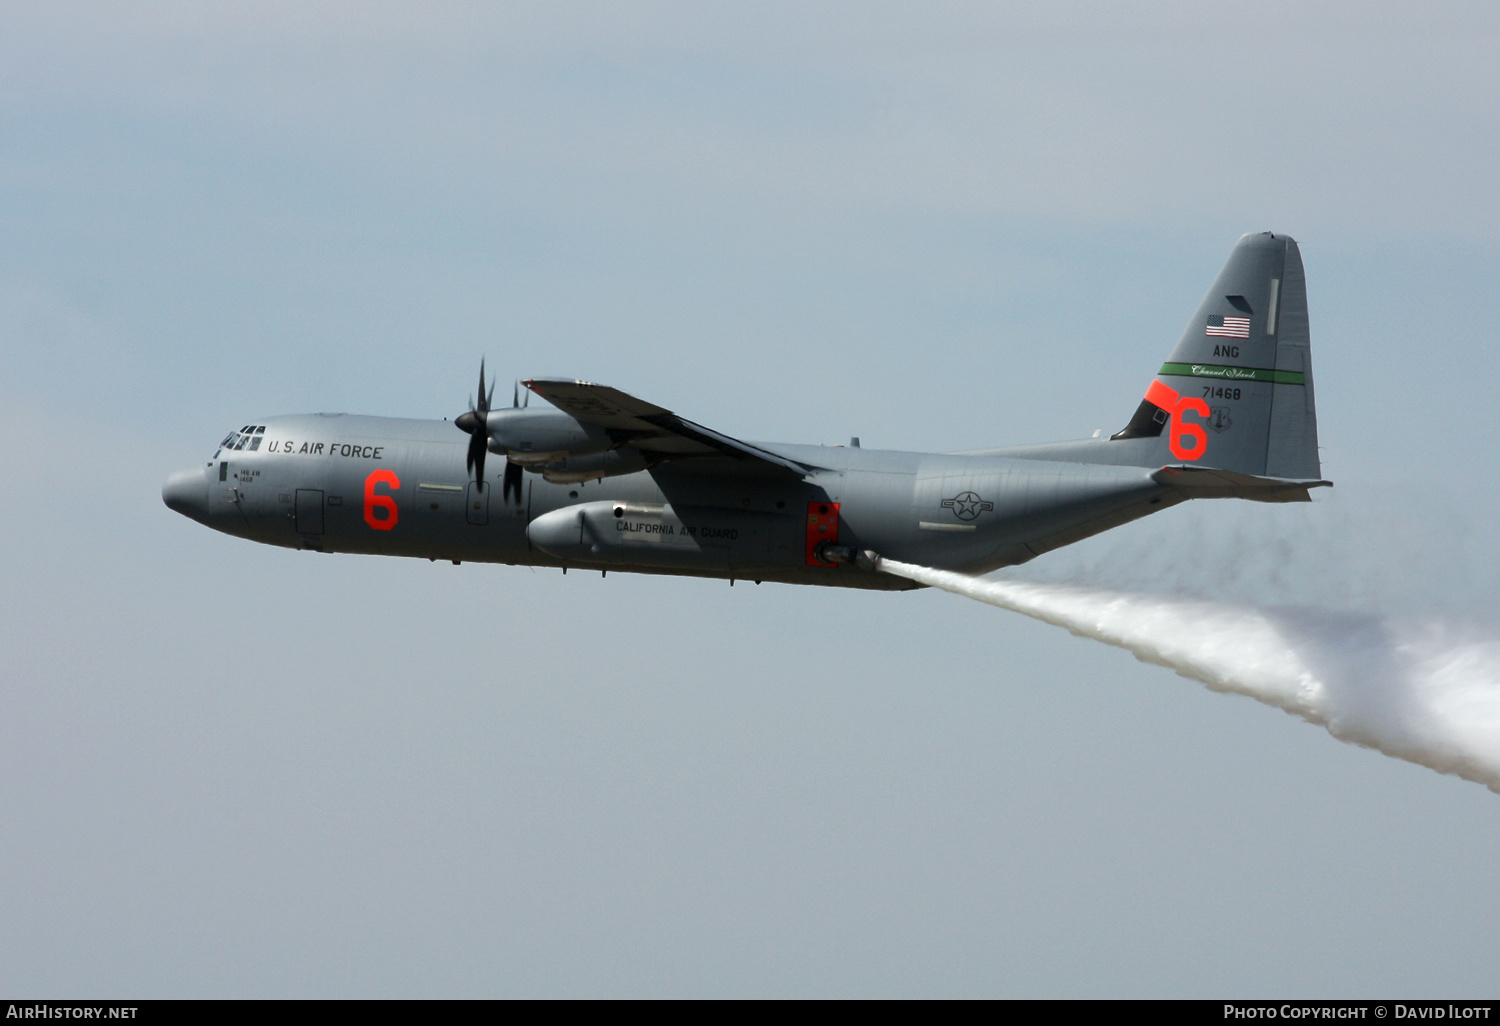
[(186, 492)]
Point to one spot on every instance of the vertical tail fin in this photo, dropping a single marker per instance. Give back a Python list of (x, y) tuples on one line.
[(1237, 392)]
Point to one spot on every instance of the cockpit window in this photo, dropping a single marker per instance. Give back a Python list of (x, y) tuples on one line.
[(250, 436)]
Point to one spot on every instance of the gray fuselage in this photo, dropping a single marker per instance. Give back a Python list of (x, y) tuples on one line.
[(386, 486)]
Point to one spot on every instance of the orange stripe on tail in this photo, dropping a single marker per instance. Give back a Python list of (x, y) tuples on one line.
[(1162, 396)]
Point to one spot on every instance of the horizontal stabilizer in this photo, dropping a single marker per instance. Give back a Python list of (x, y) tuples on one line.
[(1209, 483)]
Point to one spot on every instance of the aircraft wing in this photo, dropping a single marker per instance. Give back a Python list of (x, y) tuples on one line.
[(648, 427)]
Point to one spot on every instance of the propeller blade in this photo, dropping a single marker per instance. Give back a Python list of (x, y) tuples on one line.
[(478, 449), (512, 481), (476, 423)]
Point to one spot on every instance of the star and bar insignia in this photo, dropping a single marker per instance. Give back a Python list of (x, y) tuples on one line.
[(967, 505)]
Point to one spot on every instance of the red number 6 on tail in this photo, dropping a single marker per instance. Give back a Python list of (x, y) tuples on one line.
[(1180, 429)]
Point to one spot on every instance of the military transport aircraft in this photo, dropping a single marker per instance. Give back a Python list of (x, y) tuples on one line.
[(605, 481)]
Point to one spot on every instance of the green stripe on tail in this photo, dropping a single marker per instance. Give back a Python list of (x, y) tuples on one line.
[(1204, 370)]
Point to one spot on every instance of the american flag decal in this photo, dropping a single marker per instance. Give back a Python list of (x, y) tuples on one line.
[(1228, 327)]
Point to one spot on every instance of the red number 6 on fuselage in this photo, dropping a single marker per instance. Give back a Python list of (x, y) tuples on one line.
[(388, 502)]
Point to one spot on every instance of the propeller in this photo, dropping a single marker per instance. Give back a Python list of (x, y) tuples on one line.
[(475, 423), (512, 479)]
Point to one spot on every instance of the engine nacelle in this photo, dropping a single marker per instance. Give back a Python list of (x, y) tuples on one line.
[(536, 437), (599, 465)]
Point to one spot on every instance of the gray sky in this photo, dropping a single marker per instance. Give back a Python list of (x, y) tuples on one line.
[(237, 770)]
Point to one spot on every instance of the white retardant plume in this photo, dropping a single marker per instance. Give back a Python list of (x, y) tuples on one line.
[(1414, 691)]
